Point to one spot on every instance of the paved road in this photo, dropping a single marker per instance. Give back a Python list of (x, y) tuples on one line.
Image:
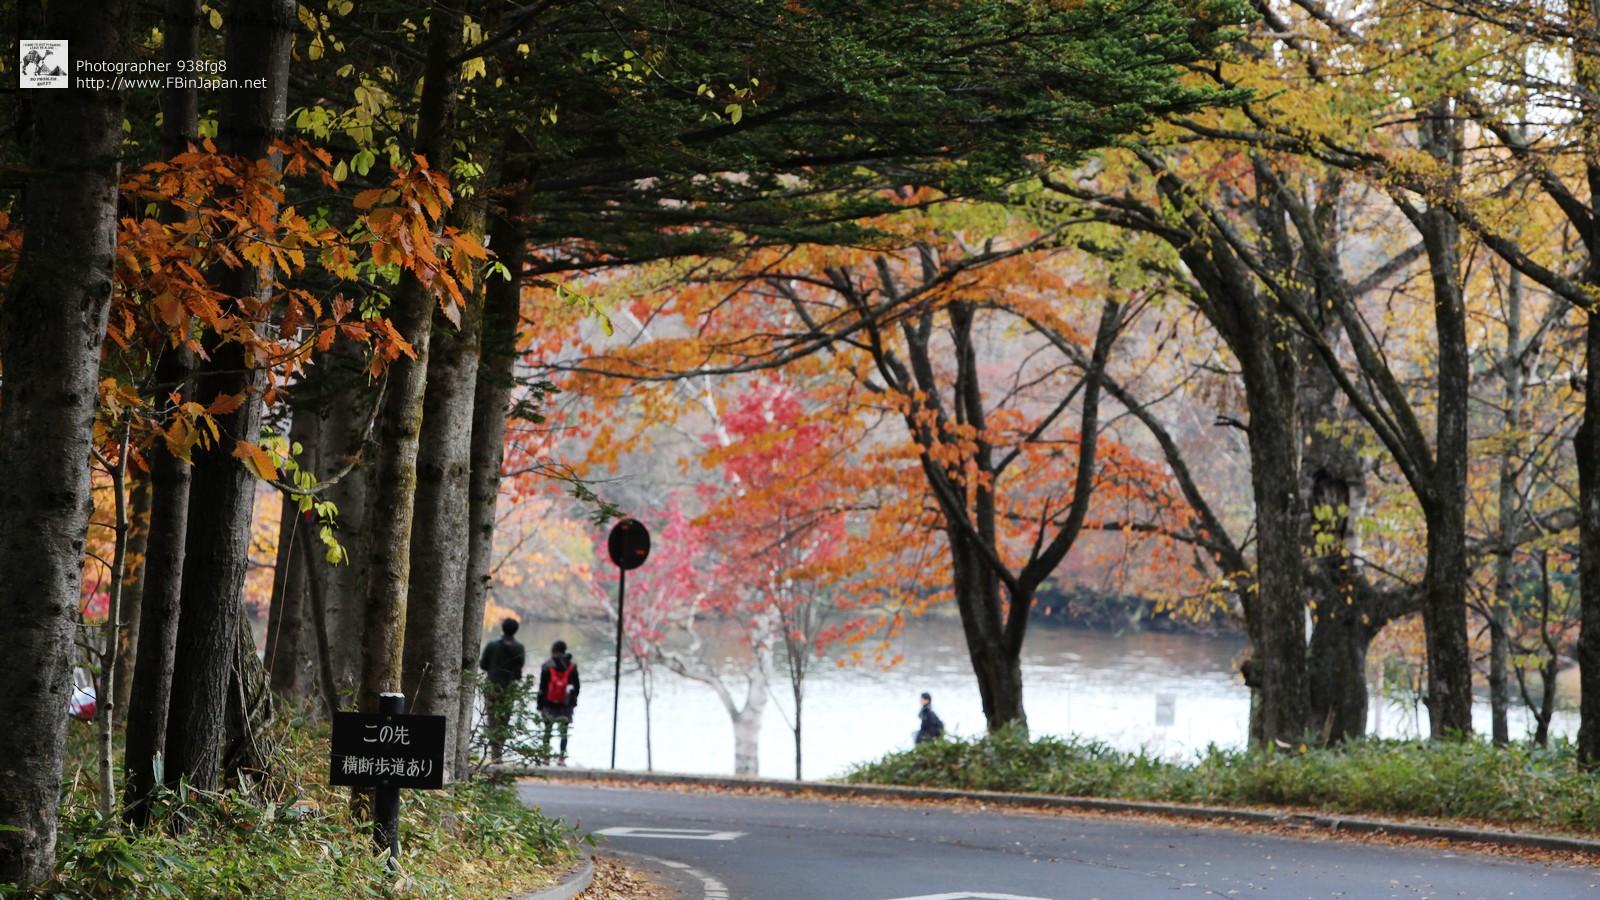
[(740, 847)]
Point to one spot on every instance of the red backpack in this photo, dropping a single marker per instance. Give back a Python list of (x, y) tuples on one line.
[(557, 691)]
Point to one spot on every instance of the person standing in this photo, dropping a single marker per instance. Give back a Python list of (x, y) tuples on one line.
[(501, 662), (558, 695), (932, 726)]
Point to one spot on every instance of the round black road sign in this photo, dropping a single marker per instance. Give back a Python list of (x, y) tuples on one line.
[(629, 544)]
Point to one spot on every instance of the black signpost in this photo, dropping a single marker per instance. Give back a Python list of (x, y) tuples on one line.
[(628, 546), (387, 750)]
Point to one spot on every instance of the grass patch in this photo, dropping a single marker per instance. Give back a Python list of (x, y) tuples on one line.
[(1521, 784), (294, 837)]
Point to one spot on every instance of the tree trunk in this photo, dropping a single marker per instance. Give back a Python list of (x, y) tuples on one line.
[(51, 327), (394, 480), (647, 690), (999, 675), (439, 536), (247, 750), (151, 686), (222, 492), (1444, 605), (1275, 484), (747, 723), (1509, 514), (327, 682), (344, 436), (1275, 619), (1586, 18), (106, 684), (132, 601), (1545, 709), (491, 408), (221, 499), (146, 734), (799, 706), (799, 775), (1337, 670), (1588, 455), (1346, 612), (289, 665)]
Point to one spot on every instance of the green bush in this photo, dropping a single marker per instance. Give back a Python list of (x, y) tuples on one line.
[(1472, 780)]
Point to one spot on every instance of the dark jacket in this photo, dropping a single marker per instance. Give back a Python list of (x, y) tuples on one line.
[(564, 661), (932, 725), (502, 661)]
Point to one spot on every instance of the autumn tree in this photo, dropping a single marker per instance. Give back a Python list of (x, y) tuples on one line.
[(967, 460), (910, 335), (779, 521), (1525, 142)]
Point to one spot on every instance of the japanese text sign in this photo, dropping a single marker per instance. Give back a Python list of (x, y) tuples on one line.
[(394, 751)]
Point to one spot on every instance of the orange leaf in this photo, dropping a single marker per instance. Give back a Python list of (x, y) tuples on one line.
[(225, 404), (372, 197), (467, 244), (256, 460)]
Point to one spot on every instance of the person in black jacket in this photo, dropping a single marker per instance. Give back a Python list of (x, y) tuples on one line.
[(558, 695), (501, 662), (932, 726)]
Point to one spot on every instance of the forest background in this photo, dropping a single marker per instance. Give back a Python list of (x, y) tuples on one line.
[(916, 307)]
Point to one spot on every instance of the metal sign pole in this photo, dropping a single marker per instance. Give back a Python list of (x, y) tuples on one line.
[(629, 546), (386, 800), (616, 682)]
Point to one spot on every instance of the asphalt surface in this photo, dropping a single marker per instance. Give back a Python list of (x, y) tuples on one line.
[(732, 846)]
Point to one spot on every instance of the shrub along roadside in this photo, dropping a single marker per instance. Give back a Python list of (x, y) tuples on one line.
[(293, 837), (1472, 780)]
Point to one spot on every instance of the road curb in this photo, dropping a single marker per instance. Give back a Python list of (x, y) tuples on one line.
[(1085, 804), (569, 887)]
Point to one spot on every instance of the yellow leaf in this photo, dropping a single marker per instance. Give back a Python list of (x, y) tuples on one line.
[(181, 438)]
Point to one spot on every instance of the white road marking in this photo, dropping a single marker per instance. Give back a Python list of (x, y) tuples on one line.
[(714, 889), (676, 834), (971, 895)]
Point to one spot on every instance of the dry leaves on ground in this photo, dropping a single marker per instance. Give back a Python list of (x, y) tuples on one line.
[(613, 880)]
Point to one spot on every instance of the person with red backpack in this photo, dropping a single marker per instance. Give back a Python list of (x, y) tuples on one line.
[(558, 695)]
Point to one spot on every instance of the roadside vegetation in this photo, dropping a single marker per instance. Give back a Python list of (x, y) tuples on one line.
[(291, 835), (1520, 784)]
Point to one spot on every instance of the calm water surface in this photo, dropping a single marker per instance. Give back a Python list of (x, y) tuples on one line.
[(1170, 695)]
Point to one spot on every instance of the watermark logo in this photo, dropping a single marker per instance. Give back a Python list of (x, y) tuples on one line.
[(44, 64)]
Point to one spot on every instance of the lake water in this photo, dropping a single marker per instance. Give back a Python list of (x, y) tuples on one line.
[(1168, 694)]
